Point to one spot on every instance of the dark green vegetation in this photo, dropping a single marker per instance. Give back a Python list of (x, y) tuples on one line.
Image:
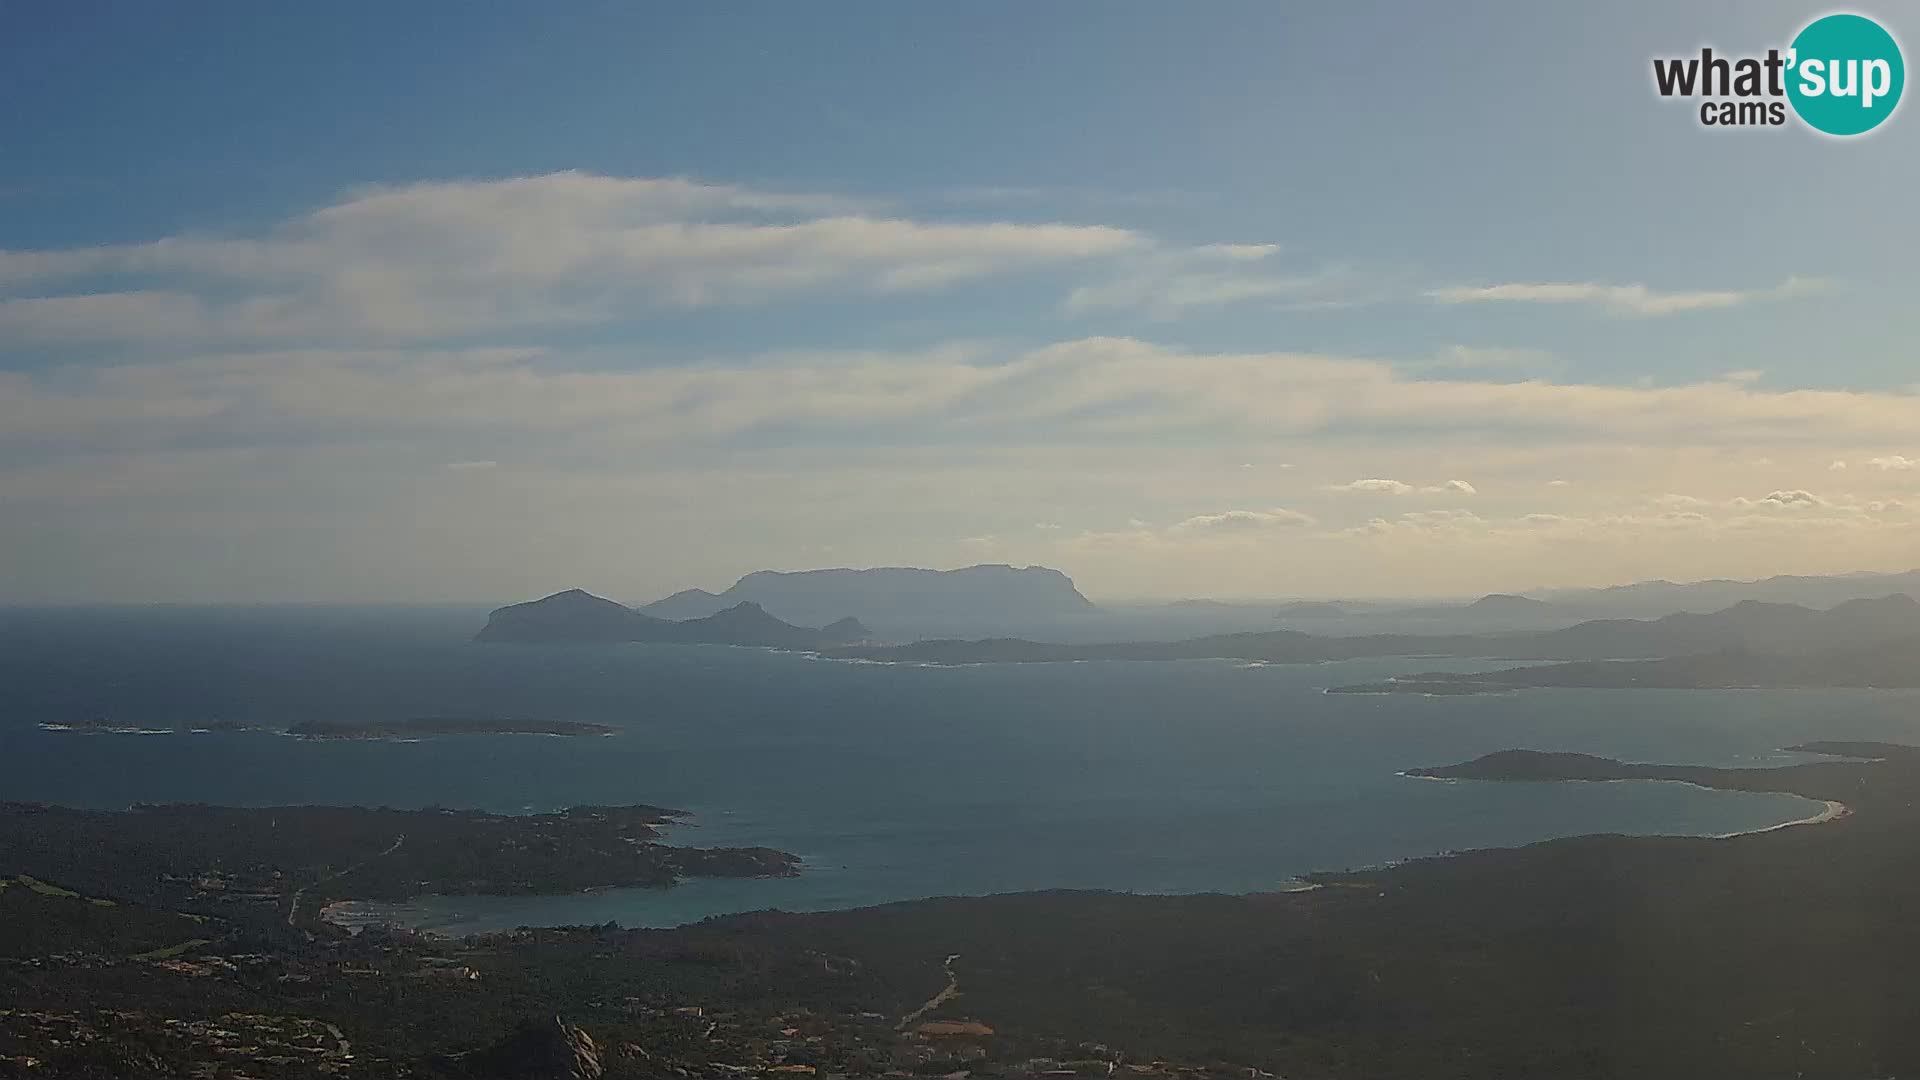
[(282, 864), (38, 918), (577, 616), (442, 725), (1788, 953)]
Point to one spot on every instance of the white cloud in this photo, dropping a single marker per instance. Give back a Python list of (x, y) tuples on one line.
[(1375, 486), (1247, 521), (1379, 486), (1634, 299), (1837, 466), (1743, 376), (1894, 463), (1168, 284), (1791, 500)]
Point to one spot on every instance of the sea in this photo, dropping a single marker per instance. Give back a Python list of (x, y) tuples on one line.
[(892, 782)]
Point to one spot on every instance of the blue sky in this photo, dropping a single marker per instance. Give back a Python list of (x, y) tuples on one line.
[(296, 299)]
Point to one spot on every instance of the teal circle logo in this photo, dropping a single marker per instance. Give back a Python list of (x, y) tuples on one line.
[(1845, 74)]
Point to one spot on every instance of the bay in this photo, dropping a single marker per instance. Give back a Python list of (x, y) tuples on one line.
[(892, 782)]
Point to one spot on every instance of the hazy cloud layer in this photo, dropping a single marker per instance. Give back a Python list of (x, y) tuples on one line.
[(458, 260), (446, 389), (1100, 390)]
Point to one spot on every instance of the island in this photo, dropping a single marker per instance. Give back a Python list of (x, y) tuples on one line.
[(101, 726), (408, 728), (419, 727), (579, 617)]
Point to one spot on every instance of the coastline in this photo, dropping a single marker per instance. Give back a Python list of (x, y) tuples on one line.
[(1831, 809)]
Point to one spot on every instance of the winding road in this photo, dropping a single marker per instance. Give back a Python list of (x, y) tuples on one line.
[(952, 991), (293, 910)]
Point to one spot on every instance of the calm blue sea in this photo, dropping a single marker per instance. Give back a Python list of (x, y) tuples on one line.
[(892, 781)]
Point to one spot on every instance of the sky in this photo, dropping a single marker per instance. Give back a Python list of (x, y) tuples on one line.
[(441, 301)]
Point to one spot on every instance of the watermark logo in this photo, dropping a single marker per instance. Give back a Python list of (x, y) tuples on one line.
[(1841, 75)]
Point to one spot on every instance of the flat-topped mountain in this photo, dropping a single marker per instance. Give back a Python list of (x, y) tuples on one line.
[(1507, 602), (814, 596), (579, 616)]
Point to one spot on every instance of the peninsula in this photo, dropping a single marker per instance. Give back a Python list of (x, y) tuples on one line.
[(241, 862)]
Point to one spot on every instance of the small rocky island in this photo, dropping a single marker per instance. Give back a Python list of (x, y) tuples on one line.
[(102, 726), (390, 730), (442, 725)]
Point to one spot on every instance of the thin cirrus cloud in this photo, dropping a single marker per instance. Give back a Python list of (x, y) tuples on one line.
[(1171, 284), (446, 260), (454, 258), (1634, 299), (1095, 391)]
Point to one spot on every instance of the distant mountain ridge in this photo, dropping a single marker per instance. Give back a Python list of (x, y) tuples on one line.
[(576, 615), (973, 592), (1749, 626), (1817, 591)]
